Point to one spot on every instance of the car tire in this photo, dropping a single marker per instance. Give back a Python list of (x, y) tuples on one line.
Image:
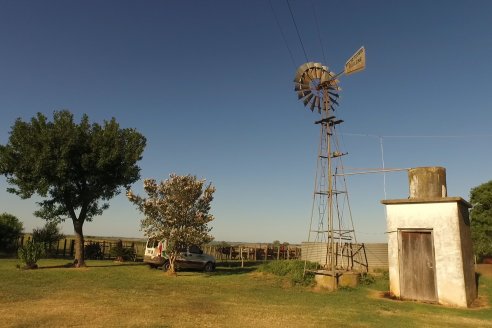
[(166, 266), (209, 267)]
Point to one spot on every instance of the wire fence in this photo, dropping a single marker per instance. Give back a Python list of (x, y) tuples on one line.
[(100, 249)]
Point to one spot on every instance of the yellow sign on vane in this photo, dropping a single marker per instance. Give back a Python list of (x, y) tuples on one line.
[(357, 62)]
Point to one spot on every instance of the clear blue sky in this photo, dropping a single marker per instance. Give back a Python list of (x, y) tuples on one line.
[(209, 83)]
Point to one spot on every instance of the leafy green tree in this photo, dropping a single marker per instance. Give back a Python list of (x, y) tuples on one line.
[(48, 236), (176, 210), (481, 219), (75, 168), (10, 230)]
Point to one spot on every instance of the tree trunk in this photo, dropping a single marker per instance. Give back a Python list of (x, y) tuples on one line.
[(172, 262), (79, 245)]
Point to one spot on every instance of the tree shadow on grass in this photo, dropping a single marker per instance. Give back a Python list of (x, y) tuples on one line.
[(117, 264), (234, 268), (219, 271), (229, 271), (71, 265)]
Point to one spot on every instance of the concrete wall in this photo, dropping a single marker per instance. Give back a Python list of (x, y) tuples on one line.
[(377, 256), (467, 251), (452, 258)]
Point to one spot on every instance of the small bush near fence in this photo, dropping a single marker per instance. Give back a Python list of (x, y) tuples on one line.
[(30, 253), (93, 251), (121, 253)]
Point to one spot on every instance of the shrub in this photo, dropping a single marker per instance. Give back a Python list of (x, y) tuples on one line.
[(293, 270), (30, 253), (93, 251), (48, 236), (10, 231), (122, 253), (367, 279)]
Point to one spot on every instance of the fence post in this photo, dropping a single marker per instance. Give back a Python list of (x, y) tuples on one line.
[(65, 248), (72, 246), (242, 258)]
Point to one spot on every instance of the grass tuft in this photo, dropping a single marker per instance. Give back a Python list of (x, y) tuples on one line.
[(293, 270)]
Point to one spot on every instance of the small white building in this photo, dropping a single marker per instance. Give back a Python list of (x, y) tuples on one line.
[(430, 253)]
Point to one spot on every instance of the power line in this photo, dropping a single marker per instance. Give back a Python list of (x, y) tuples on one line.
[(297, 30), (282, 34), (444, 136), (420, 136), (318, 31)]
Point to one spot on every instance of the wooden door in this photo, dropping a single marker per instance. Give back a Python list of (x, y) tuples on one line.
[(417, 266)]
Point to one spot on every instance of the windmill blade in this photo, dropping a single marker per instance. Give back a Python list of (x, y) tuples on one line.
[(302, 94), (324, 77), (334, 94), (333, 101), (307, 99), (302, 69), (316, 102), (313, 103), (310, 74), (302, 87), (306, 78)]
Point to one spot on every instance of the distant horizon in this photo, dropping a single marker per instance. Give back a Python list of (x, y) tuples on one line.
[(232, 243)]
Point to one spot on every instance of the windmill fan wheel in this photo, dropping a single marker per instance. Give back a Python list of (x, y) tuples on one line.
[(317, 86)]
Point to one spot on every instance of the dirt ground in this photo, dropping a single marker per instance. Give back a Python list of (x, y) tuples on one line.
[(484, 269)]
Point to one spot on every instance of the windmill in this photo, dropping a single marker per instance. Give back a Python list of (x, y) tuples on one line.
[(331, 241)]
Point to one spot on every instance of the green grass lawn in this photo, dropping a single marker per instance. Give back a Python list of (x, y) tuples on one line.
[(106, 294)]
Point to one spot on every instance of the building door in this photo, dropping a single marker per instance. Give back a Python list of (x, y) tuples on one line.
[(417, 266)]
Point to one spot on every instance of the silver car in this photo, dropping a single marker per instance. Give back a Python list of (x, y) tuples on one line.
[(191, 257)]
